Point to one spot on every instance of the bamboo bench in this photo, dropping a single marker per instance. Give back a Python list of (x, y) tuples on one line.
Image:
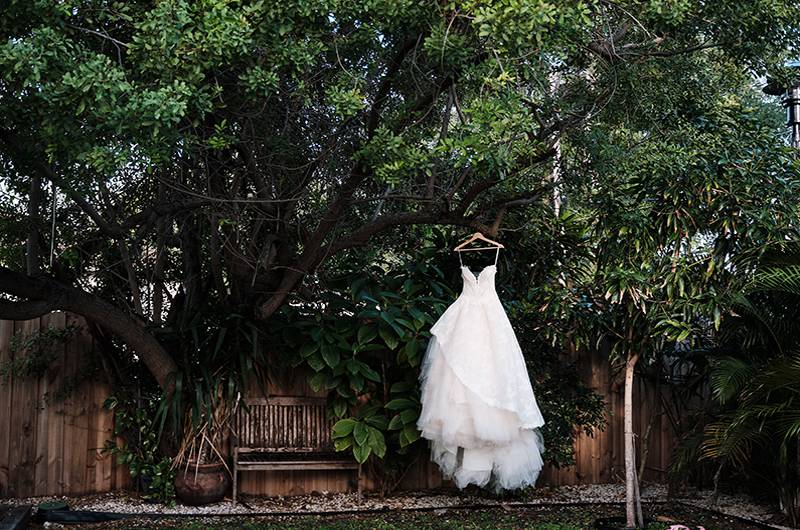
[(286, 434)]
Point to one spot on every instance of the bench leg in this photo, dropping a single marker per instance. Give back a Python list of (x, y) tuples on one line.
[(358, 482), (235, 476)]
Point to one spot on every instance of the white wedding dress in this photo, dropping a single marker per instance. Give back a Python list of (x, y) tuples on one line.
[(478, 407)]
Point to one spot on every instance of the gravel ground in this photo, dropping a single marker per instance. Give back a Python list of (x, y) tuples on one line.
[(545, 517), (121, 502)]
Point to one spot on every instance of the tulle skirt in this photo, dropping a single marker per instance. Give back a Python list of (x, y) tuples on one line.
[(478, 407)]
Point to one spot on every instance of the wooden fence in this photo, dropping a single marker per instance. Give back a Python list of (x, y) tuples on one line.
[(53, 446), (53, 427)]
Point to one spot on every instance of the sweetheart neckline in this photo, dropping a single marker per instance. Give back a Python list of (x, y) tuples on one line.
[(477, 278)]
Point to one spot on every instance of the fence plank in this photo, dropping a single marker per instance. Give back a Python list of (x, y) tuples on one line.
[(41, 451), (23, 427), (74, 418), (55, 415), (6, 405)]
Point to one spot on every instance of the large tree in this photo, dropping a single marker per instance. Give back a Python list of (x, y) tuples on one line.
[(158, 154), (231, 147)]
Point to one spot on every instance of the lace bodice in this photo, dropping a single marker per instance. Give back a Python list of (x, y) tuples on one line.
[(481, 285)]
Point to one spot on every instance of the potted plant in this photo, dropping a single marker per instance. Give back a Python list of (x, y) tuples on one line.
[(202, 474)]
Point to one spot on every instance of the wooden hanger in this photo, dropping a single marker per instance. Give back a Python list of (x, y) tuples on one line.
[(475, 237)]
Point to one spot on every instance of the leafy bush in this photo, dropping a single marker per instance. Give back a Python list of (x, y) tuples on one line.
[(364, 344), (754, 430), (135, 444)]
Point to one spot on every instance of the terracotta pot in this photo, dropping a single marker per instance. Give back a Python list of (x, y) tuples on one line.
[(209, 484)]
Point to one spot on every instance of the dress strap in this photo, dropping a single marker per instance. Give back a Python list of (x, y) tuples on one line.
[(497, 255), (460, 260)]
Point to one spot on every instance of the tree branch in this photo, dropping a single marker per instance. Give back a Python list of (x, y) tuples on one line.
[(24, 310), (363, 235), (386, 83), (42, 291), (313, 245)]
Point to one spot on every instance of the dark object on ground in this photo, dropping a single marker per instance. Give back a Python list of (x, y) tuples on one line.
[(80, 516), (44, 509), (149, 494), (16, 518), (202, 484), (615, 523)]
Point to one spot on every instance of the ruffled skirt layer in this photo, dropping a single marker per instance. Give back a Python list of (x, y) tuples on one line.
[(477, 439)]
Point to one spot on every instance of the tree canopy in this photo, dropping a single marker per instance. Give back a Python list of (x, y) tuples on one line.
[(156, 154)]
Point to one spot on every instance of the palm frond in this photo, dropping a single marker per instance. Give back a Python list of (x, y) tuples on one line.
[(785, 279), (728, 377), (731, 441)]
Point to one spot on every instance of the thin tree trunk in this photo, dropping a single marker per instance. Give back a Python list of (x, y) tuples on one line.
[(157, 302), (639, 516), (644, 449), (630, 456), (32, 243), (132, 282)]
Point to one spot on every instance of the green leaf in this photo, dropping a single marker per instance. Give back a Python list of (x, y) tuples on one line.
[(408, 435), (379, 422), (353, 366), (308, 348), (360, 433), (396, 423), (389, 338), (339, 407), (357, 382), (342, 443), (400, 403), (377, 442), (417, 314), (317, 381), (370, 374), (406, 323), (367, 333), (411, 349), (361, 452), (331, 355), (343, 428), (409, 416), (402, 386), (315, 362)]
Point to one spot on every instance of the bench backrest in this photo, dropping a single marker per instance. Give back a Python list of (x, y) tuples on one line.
[(291, 424)]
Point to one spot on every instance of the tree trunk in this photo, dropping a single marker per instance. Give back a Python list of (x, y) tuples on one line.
[(32, 243), (630, 457)]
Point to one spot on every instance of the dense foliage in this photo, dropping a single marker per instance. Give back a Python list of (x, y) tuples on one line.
[(192, 176), (751, 430), (226, 149), (32, 354)]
